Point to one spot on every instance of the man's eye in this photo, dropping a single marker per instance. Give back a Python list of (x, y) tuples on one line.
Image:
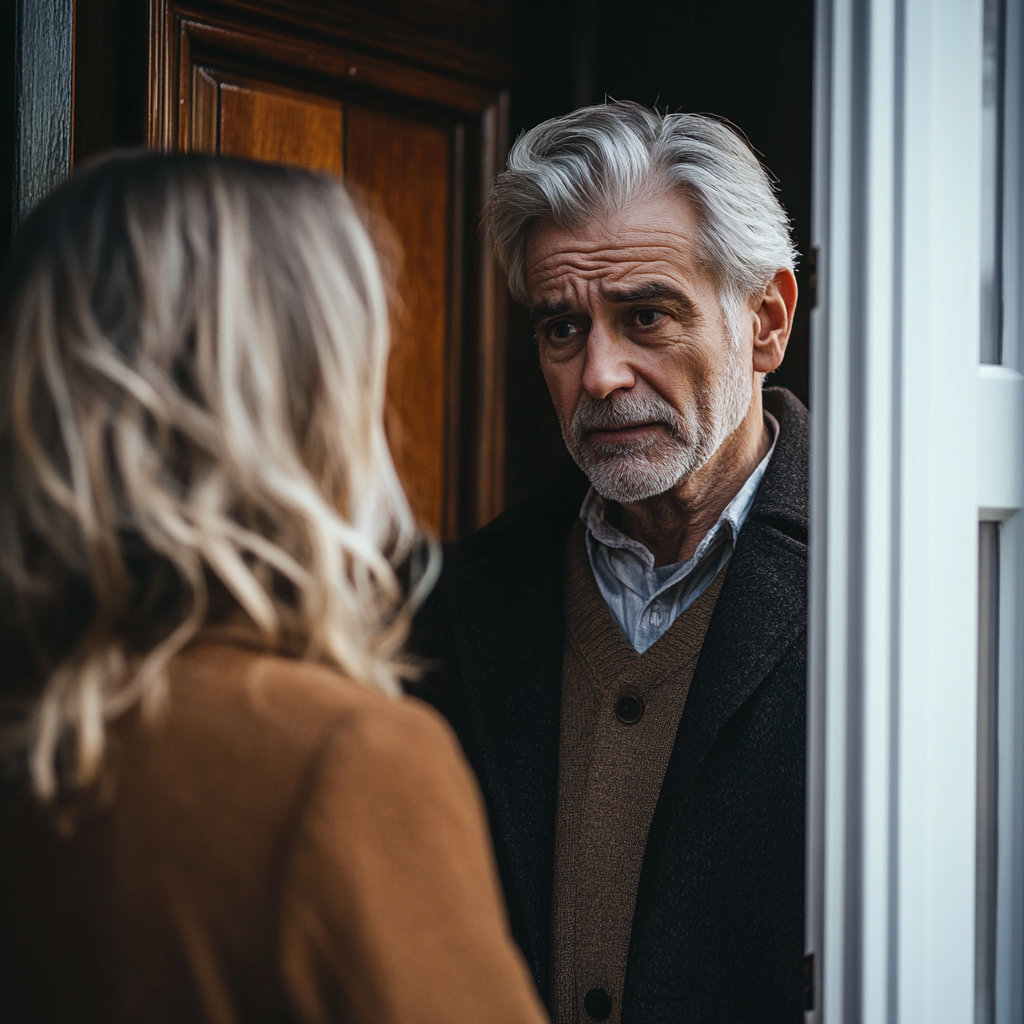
[(562, 330), (648, 317)]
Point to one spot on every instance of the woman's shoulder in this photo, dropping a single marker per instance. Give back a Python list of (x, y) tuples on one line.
[(245, 736), (232, 688)]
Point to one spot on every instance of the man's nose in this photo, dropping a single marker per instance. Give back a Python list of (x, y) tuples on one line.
[(606, 367)]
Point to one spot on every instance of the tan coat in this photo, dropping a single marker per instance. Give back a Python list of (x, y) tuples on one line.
[(283, 845)]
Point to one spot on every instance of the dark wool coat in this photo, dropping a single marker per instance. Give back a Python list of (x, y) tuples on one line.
[(718, 931)]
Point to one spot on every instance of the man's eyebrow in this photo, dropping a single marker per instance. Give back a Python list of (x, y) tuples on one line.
[(651, 291), (544, 310)]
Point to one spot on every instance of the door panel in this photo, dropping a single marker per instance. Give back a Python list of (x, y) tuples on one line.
[(283, 126), (403, 164), (420, 145)]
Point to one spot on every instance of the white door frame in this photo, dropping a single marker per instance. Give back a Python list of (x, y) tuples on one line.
[(900, 412)]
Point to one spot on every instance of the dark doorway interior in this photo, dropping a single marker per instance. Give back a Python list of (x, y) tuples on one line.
[(749, 61)]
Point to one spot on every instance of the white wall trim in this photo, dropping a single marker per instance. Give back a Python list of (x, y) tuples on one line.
[(893, 625)]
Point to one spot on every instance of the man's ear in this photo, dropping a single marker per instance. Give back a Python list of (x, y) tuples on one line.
[(774, 320)]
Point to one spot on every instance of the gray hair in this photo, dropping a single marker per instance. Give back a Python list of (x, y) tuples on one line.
[(599, 159)]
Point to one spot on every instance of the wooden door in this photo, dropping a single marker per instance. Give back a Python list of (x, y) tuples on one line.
[(421, 144)]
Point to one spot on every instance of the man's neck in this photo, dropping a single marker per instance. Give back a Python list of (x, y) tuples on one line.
[(671, 525)]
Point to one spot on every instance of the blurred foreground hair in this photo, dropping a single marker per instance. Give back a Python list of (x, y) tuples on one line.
[(192, 369)]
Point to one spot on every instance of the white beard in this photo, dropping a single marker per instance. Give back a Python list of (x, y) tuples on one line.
[(632, 471)]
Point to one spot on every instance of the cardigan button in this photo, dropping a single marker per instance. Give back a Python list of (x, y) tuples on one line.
[(598, 1004), (629, 711)]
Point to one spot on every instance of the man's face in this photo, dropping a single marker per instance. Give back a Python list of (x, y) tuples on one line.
[(645, 374)]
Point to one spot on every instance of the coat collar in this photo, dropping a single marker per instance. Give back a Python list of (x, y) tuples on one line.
[(762, 608), (761, 612)]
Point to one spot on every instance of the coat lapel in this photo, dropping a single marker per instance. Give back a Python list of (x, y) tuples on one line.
[(760, 613)]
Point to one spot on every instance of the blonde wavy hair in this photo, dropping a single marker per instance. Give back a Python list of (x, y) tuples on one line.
[(192, 389)]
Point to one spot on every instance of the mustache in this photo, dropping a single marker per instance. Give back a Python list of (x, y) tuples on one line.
[(623, 409)]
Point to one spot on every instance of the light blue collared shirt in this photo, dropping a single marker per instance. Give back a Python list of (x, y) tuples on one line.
[(646, 600)]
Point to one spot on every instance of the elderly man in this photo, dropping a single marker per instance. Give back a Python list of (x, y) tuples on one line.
[(624, 659)]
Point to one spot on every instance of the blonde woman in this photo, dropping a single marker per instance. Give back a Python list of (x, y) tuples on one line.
[(216, 806)]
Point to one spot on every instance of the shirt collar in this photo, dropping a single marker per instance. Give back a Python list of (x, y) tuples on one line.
[(734, 515)]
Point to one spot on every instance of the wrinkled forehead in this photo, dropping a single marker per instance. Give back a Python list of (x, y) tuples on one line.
[(643, 243)]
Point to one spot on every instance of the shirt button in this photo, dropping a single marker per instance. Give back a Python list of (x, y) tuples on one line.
[(598, 1004), (629, 711)]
